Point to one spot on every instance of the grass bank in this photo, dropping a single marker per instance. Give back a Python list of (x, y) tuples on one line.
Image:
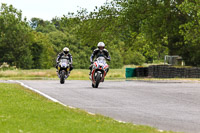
[(25, 111), (76, 74)]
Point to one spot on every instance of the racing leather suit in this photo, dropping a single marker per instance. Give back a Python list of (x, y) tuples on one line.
[(98, 53), (67, 56)]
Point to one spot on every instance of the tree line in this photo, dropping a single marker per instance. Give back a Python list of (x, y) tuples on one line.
[(134, 31)]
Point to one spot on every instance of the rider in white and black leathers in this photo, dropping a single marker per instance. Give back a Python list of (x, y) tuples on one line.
[(100, 51), (67, 55)]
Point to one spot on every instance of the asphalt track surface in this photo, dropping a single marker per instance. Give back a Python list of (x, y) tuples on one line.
[(166, 105)]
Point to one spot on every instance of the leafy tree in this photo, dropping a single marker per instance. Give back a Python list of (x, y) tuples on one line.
[(15, 38), (134, 31), (191, 31), (42, 26), (42, 51)]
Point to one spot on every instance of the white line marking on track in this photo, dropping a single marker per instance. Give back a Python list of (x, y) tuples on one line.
[(41, 93), (122, 121), (90, 113), (71, 107), (45, 95)]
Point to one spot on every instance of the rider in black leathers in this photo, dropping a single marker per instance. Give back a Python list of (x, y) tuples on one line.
[(100, 51), (68, 56)]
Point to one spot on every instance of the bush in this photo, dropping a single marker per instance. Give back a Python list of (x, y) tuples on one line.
[(134, 57), (6, 66), (137, 58), (116, 59)]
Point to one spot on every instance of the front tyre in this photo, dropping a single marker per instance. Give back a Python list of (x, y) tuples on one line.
[(98, 78), (93, 85), (62, 77)]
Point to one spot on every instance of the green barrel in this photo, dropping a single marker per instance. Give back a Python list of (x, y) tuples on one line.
[(130, 72)]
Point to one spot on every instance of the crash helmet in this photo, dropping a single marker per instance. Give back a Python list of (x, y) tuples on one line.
[(101, 45), (66, 50)]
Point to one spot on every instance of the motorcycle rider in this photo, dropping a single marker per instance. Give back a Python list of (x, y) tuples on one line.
[(100, 51), (65, 53)]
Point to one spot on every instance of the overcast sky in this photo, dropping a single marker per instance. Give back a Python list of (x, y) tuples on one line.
[(47, 9)]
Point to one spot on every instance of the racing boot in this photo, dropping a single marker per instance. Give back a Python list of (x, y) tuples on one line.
[(90, 75)]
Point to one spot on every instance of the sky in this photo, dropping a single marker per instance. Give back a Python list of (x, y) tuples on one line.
[(48, 9)]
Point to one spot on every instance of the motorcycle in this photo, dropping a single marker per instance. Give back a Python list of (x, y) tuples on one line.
[(99, 71), (63, 70)]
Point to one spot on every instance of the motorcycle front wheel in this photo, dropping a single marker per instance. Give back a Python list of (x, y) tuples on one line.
[(93, 85), (62, 77), (97, 78)]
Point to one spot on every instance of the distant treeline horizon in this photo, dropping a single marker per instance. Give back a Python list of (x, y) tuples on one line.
[(134, 32)]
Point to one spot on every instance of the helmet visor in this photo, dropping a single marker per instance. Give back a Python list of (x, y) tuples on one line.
[(66, 52), (101, 48)]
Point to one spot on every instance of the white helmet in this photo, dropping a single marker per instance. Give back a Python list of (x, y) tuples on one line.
[(66, 50), (100, 44)]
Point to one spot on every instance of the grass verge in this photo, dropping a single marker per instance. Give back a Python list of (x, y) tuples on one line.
[(76, 74), (25, 111)]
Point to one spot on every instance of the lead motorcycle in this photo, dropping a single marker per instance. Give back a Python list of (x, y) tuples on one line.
[(99, 70), (63, 70)]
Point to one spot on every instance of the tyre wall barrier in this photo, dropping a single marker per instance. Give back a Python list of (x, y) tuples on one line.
[(164, 71), (130, 72)]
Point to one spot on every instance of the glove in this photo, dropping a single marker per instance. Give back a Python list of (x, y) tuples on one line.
[(91, 62), (105, 57)]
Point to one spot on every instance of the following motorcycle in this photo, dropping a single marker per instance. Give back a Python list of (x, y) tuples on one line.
[(99, 71), (63, 70)]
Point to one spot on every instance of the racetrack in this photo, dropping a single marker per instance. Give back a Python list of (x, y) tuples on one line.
[(165, 105)]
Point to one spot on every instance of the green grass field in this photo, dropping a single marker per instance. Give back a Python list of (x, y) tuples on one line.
[(23, 111)]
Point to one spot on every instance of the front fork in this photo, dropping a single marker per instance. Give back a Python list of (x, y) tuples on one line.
[(93, 76), (66, 73)]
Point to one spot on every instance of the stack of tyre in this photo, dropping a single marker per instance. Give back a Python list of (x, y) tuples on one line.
[(165, 71), (141, 72)]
